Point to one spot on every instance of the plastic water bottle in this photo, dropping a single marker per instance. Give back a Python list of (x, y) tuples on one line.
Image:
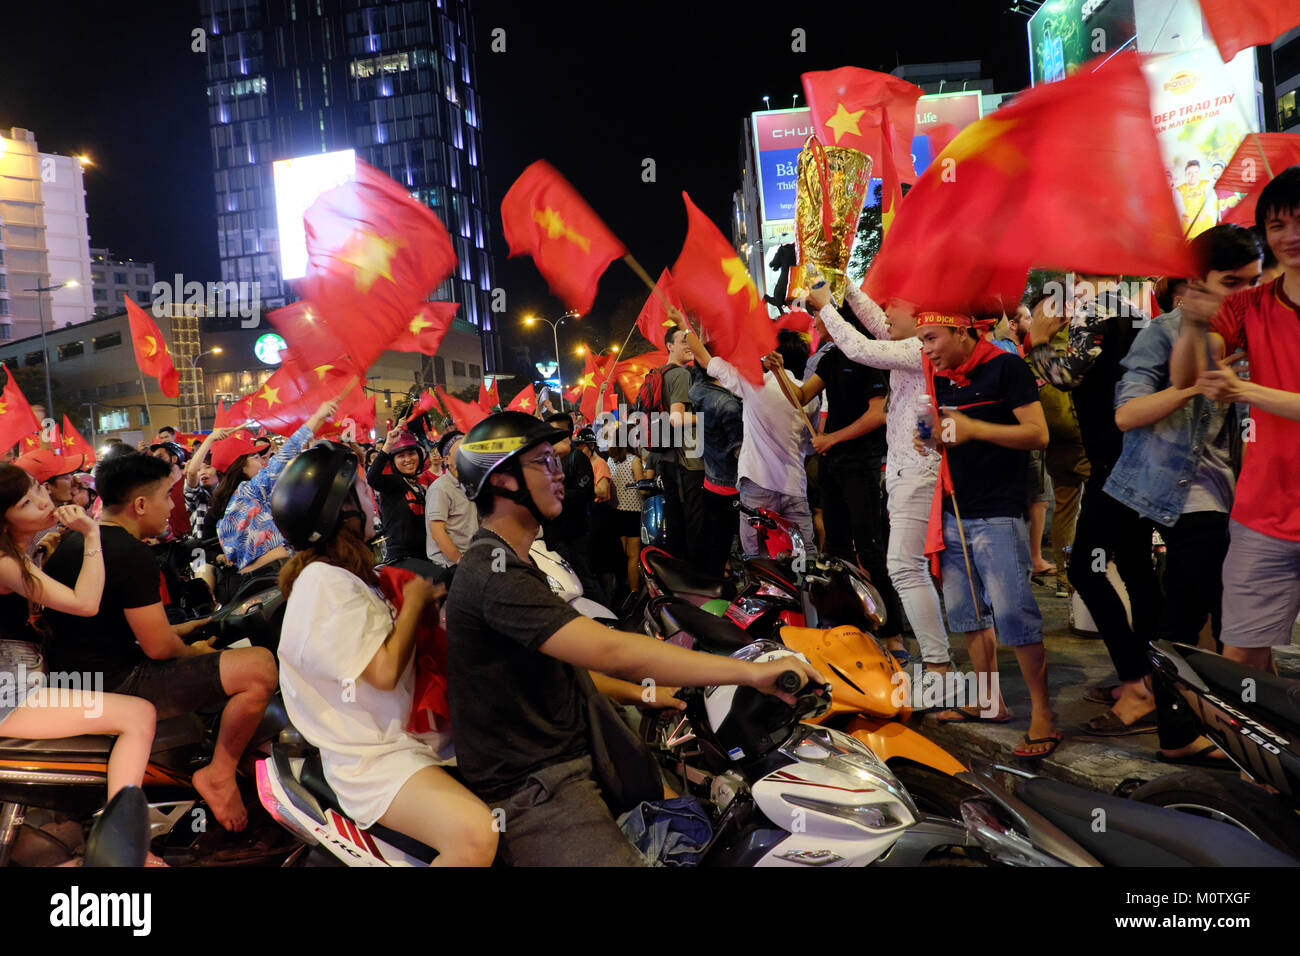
[(926, 421)]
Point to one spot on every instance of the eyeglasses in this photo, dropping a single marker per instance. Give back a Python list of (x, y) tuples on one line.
[(547, 461)]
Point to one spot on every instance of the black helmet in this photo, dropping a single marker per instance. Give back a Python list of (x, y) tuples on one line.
[(307, 503), (173, 447), (585, 436), (495, 445)]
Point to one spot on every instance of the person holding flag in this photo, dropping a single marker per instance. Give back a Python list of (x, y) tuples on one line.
[(991, 419)]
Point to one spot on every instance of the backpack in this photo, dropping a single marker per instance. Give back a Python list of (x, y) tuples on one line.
[(650, 401)]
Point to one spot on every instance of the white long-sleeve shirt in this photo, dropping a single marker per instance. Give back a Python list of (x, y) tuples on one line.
[(771, 455), (902, 359)]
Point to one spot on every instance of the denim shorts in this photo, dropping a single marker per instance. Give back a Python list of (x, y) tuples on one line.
[(999, 565), (178, 685)]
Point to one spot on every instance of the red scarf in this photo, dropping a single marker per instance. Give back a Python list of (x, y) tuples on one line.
[(429, 709), (960, 377)]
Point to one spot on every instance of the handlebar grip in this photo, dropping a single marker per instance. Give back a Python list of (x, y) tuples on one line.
[(789, 681)]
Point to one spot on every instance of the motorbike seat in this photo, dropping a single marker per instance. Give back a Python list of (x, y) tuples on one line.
[(1277, 698), (171, 733), (777, 572), (717, 635), (312, 777), (678, 577), (1138, 834)]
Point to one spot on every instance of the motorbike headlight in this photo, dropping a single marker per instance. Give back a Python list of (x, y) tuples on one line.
[(873, 606), (848, 755)]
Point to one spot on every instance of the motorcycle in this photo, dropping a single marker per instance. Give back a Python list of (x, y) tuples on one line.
[(1254, 719), (565, 583), (787, 587), (1049, 823), (786, 792), (68, 775)]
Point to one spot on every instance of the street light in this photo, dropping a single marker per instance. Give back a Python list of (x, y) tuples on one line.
[(40, 290), (555, 335), (198, 391)]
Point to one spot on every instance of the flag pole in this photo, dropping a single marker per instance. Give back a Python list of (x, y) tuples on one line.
[(144, 391), (961, 533)]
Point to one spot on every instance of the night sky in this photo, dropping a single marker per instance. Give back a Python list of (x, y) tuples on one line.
[(595, 90)]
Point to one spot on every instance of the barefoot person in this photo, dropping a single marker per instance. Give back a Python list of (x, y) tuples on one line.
[(131, 641)]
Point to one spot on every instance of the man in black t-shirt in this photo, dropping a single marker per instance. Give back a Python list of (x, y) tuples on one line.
[(517, 709), (991, 418), (132, 643)]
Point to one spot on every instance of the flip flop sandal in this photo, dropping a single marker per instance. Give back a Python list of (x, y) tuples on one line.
[(1109, 725), (968, 718), (1201, 758), (1101, 693), (1054, 740)]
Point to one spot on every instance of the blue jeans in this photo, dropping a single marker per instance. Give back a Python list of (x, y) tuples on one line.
[(999, 566)]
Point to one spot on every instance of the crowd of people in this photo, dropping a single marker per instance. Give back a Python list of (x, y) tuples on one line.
[(927, 447)]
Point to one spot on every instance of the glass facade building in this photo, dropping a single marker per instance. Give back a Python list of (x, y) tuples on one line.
[(393, 80)]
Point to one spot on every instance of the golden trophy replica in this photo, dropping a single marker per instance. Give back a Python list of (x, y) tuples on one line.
[(829, 193)]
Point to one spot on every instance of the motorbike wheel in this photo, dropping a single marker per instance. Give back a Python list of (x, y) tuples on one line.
[(957, 857), (1229, 800)]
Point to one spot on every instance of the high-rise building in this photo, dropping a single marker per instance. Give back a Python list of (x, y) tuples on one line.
[(44, 238), (394, 81), (115, 277)]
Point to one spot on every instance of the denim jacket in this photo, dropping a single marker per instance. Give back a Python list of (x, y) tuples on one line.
[(1156, 468), (724, 430)]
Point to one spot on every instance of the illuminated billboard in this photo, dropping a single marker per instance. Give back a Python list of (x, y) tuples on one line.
[(778, 137), (299, 182), (1064, 34), (938, 109)]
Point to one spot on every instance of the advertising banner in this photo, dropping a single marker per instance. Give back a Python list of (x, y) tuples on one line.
[(778, 137), (1201, 108), (1064, 34)]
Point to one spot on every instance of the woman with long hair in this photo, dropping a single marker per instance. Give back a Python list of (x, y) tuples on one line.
[(37, 714), (340, 632)]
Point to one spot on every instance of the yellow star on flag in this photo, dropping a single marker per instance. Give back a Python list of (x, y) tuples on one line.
[(419, 324), (4, 408), (68, 442), (738, 278), (588, 381), (371, 256), (844, 122), (270, 395), (320, 371), (526, 403), (985, 138), (557, 228), (152, 344)]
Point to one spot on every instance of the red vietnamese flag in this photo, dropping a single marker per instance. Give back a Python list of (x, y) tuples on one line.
[(852, 107), (1248, 172), (150, 349), (289, 397), (630, 373), (355, 418), (427, 402), (487, 396), (599, 396), (545, 218), (716, 288), (1237, 24), (17, 420), (465, 414), (374, 254), (425, 331), (31, 442), (525, 401), (653, 322), (994, 201), (74, 444)]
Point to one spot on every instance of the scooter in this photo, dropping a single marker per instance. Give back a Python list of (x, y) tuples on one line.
[(68, 775), (1254, 718), (789, 793), (1049, 823)]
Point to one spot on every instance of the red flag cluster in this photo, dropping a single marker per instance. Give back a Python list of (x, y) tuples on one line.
[(1012, 190), (1248, 172), (17, 420)]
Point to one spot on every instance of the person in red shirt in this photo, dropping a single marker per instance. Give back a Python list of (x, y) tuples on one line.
[(1261, 574)]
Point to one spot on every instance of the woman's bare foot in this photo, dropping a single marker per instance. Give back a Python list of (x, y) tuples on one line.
[(222, 796), (1134, 702)]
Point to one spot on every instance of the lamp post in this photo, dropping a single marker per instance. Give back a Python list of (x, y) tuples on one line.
[(555, 335), (198, 391), (40, 290)]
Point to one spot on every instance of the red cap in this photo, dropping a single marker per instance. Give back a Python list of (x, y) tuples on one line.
[(227, 450), (43, 465)]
